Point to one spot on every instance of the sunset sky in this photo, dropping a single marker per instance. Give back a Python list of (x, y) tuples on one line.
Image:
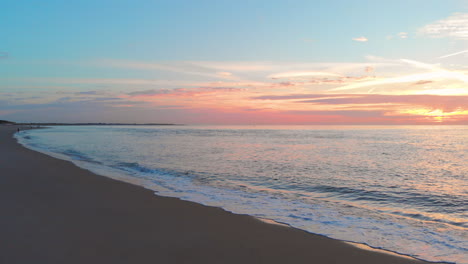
[(235, 62)]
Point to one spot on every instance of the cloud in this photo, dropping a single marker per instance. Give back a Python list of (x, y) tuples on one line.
[(424, 103), (294, 96), (453, 54), (104, 81), (439, 70), (343, 113), (299, 74), (422, 82), (150, 92), (361, 39), (178, 67), (89, 93), (455, 26), (287, 84), (272, 67), (224, 74), (448, 103), (403, 35), (236, 66), (181, 91), (87, 99), (435, 72), (394, 80)]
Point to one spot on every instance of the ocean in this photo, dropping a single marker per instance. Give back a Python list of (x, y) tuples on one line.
[(399, 188)]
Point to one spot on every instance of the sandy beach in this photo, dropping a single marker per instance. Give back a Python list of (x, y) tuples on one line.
[(54, 212)]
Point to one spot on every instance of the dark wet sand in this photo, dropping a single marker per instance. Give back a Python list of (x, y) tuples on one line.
[(54, 212)]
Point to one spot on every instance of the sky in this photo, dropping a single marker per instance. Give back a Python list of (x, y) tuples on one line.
[(235, 62)]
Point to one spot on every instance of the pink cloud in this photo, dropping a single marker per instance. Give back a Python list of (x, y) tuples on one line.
[(296, 96), (446, 103), (224, 74), (361, 39)]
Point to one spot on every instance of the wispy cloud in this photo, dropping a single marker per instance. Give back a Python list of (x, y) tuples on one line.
[(446, 103), (178, 67), (224, 74), (89, 93), (236, 66), (296, 96), (439, 70), (400, 108), (299, 74), (422, 82), (104, 81), (434, 72), (181, 91), (403, 35), (404, 79), (361, 39), (455, 26), (275, 67), (453, 54)]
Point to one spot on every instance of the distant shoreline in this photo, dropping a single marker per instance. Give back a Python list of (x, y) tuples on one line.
[(94, 124)]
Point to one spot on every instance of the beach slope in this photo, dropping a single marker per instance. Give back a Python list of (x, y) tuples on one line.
[(54, 212)]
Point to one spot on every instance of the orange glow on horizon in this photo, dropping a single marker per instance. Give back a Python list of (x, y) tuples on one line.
[(438, 115)]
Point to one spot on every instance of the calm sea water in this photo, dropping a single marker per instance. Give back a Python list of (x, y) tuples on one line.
[(404, 189)]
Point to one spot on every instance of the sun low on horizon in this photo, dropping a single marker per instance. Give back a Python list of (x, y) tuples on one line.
[(235, 62)]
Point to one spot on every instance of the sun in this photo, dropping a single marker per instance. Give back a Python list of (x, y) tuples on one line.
[(438, 115)]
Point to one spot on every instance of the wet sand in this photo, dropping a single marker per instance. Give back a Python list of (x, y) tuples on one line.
[(55, 212)]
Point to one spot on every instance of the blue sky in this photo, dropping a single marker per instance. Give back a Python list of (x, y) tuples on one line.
[(214, 30), (52, 48)]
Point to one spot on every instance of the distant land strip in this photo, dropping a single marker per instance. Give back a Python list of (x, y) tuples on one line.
[(5, 122)]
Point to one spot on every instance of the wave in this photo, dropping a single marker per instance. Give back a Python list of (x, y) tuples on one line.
[(397, 197), (76, 155), (351, 194)]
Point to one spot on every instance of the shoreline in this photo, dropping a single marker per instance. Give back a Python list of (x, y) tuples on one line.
[(147, 226)]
